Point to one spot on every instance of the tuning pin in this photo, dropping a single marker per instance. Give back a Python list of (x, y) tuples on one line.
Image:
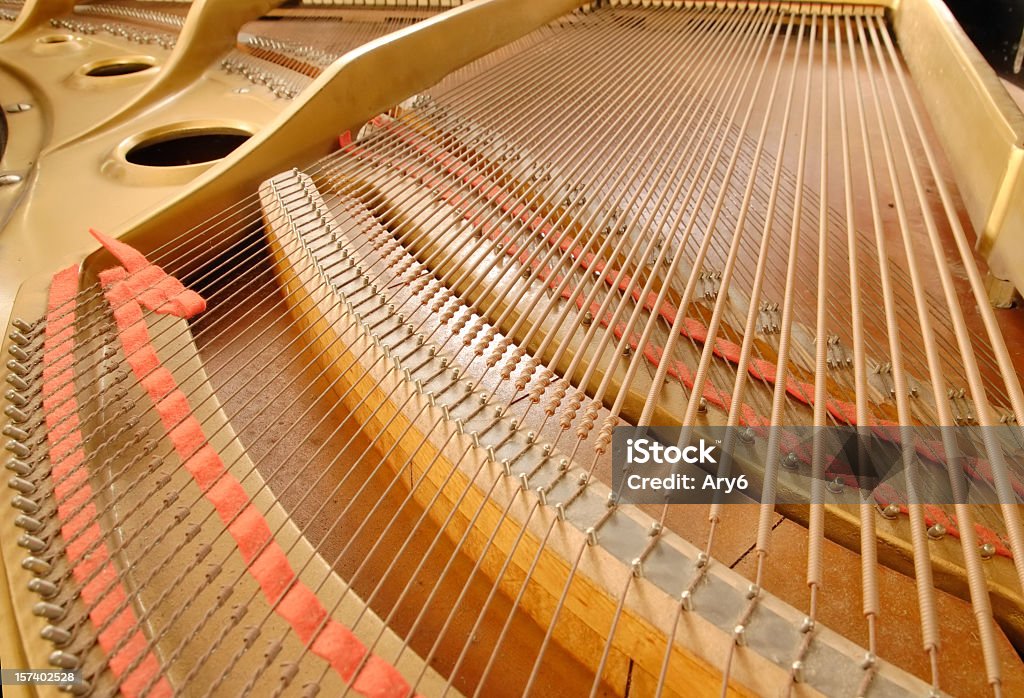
[(17, 352), (50, 611), (64, 660), (21, 485), (17, 381), (16, 433), (36, 565), (18, 467), (17, 367), (79, 687), (43, 587), (31, 543), (16, 398), (28, 523), (25, 504), (17, 448), (57, 635), (19, 416)]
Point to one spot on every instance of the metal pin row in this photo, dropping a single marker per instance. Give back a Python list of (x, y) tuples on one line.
[(26, 501)]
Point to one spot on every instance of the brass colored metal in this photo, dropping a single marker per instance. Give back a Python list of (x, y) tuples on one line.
[(358, 86), (36, 13), (211, 29), (182, 95)]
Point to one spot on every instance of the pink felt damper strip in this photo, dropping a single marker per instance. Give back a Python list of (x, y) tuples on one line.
[(139, 284), (103, 592), (761, 369)]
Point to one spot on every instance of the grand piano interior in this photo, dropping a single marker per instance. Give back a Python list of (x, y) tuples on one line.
[(327, 323)]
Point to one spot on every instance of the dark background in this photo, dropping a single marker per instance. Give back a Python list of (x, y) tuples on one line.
[(995, 27)]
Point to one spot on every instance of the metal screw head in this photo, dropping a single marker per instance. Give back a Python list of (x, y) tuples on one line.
[(9, 178), (835, 486), (936, 531), (988, 551), (17, 107), (891, 511)]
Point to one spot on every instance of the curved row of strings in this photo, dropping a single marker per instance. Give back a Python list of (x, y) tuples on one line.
[(770, 35)]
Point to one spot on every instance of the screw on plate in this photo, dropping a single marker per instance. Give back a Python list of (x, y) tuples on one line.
[(890, 511)]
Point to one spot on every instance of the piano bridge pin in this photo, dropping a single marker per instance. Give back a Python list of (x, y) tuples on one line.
[(963, 409), (768, 318), (836, 354), (882, 373)]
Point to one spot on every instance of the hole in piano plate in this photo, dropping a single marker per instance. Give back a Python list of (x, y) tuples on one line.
[(55, 39), (116, 67), (186, 147)]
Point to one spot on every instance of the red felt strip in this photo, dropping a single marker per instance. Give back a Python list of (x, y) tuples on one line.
[(86, 551), (729, 351), (142, 284)]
